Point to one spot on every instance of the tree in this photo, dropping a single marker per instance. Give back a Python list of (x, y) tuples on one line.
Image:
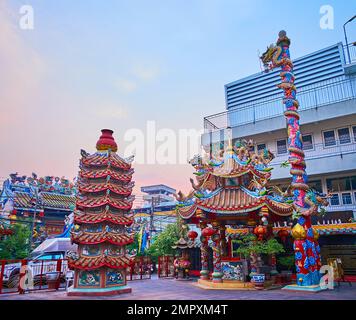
[(287, 261), (15, 246), (162, 244), (249, 244)]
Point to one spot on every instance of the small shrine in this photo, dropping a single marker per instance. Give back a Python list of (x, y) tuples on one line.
[(103, 212), (232, 191)]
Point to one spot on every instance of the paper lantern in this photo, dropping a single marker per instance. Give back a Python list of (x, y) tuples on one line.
[(192, 234)]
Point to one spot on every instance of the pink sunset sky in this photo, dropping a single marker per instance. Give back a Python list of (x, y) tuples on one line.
[(89, 65)]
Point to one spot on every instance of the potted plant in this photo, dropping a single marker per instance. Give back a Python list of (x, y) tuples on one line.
[(249, 246)]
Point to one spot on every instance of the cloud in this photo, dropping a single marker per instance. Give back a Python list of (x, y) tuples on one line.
[(111, 111), (125, 85), (146, 73)]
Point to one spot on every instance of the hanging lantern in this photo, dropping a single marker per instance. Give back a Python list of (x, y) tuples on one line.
[(14, 212), (264, 212), (208, 232), (283, 234), (192, 234), (41, 214), (199, 213), (260, 231)]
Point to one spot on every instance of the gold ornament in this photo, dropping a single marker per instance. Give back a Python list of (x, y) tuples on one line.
[(298, 232)]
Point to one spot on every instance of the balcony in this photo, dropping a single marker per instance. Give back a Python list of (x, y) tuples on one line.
[(320, 160), (341, 89)]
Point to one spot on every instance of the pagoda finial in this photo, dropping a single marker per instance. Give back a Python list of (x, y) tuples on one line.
[(106, 141)]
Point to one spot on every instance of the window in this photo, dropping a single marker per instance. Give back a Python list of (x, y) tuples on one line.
[(339, 184), (346, 198), (316, 185), (334, 200), (344, 135), (329, 138), (282, 146), (261, 147), (354, 132), (307, 142)]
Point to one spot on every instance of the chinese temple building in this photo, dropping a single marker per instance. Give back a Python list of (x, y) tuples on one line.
[(102, 214), (231, 191), (49, 198)]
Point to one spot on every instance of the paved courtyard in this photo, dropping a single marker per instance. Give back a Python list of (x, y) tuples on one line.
[(170, 289)]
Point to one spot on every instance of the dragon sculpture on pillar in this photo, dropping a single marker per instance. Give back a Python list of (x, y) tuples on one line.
[(306, 201)]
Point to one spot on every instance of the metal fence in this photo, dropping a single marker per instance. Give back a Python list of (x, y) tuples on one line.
[(166, 267), (140, 269), (272, 106), (13, 277), (12, 274)]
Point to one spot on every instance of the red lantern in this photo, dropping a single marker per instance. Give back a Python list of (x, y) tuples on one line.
[(283, 234), (41, 214), (207, 232), (192, 234), (260, 231), (14, 212)]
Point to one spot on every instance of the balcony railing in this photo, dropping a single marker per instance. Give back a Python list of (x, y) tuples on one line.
[(273, 107), (350, 49), (318, 151)]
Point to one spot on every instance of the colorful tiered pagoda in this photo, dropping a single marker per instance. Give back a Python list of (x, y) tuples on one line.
[(103, 211)]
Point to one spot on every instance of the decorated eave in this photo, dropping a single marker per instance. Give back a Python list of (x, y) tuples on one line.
[(107, 158), (104, 216), (57, 201), (105, 173), (91, 263), (48, 200), (323, 229), (122, 204), (124, 190), (228, 201), (83, 237)]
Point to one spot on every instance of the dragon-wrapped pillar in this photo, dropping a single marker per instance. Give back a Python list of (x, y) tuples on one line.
[(305, 246), (204, 254), (216, 239)]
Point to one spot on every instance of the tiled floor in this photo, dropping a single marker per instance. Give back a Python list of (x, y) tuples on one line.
[(170, 289)]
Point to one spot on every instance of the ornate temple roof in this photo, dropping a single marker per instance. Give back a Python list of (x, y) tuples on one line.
[(49, 192), (107, 159), (104, 173), (46, 200), (98, 187), (105, 215), (93, 202), (234, 183), (101, 237), (58, 201), (234, 201), (90, 263)]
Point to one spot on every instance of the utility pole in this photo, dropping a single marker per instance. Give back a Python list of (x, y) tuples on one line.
[(155, 200)]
